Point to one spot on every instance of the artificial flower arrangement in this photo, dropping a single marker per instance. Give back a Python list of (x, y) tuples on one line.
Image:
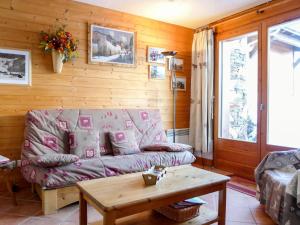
[(61, 42)]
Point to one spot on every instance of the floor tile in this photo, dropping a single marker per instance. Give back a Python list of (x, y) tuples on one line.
[(6, 219), (260, 217), (44, 221), (6, 204), (62, 214), (238, 223), (240, 215), (25, 208), (93, 216)]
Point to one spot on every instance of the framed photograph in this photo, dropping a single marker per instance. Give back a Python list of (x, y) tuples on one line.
[(111, 46), (15, 66), (155, 56), (177, 64), (181, 83), (157, 72)]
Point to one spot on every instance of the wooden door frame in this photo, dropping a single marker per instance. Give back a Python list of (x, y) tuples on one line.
[(285, 17), (255, 146)]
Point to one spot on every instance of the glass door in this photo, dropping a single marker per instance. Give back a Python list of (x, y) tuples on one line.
[(282, 97), (238, 88), (237, 123)]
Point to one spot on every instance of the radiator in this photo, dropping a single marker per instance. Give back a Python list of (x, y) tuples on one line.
[(181, 135)]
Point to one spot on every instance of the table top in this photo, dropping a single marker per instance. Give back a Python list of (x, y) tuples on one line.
[(119, 191), (9, 165)]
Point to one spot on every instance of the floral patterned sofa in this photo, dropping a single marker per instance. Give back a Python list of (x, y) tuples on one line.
[(46, 132)]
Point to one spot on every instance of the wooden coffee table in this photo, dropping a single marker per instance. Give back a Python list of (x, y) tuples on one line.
[(120, 196), (7, 170)]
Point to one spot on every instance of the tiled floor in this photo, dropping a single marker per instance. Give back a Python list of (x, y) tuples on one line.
[(243, 182), (241, 210)]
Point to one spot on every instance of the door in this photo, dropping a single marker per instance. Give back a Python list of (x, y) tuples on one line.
[(281, 83), (237, 118)]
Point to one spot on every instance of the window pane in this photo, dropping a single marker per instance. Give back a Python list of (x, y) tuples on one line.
[(238, 88), (284, 84)]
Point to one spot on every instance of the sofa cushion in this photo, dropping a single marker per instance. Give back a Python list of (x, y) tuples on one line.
[(169, 147), (123, 142), (85, 169), (85, 144), (53, 160)]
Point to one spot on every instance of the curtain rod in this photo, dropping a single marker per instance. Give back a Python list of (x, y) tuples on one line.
[(207, 27), (259, 9)]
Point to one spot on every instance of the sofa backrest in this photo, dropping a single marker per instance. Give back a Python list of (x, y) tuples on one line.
[(46, 131)]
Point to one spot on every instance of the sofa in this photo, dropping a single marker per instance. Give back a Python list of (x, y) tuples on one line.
[(278, 181), (47, 133)]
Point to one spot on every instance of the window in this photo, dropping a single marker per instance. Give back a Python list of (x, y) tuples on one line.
[(238, 87), (284, 84)]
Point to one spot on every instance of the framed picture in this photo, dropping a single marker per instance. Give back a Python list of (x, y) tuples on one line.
[(111, 46), (155, 56), (15, 66), (157, 72), (181, 83), (177, 64)]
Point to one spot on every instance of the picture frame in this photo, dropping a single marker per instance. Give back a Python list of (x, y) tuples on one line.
[(180, 83), (111, 46), (154, 55), (177, 64), (157, 72), (15, 66)]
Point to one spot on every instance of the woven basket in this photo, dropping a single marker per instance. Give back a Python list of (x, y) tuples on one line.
[(179, 215)]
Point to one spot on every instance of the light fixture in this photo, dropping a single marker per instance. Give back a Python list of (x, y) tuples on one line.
[(171, 55)]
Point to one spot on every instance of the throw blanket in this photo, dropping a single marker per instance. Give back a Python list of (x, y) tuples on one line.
[(279, 193)]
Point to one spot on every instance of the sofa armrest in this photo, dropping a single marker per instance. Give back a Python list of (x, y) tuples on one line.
[(53, 160), (277, 160)]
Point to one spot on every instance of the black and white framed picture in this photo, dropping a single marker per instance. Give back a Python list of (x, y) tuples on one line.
[(180, 83), (157, 72), (154, 55), (111, 46), (15, 66)]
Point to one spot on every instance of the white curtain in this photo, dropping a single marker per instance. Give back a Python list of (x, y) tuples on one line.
[(201, 112)]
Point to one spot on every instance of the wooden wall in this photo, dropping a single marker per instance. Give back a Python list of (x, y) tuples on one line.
[(82, 85)]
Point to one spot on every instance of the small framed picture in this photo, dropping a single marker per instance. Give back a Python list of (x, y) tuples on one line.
[(157, 72), (111, 46), (155, 56), (15, 67), (181, 83), (177, 64)]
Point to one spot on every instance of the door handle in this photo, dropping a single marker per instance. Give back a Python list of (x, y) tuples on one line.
[(262, 107)]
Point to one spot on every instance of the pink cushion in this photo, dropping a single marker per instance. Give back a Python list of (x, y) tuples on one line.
[(85, 144), (123, 142)]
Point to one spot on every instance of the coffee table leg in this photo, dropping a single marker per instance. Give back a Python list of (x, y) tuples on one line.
[(222, 206), (83, 210), (109, 218)]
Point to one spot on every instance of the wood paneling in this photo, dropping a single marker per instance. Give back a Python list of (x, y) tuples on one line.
[(82, 85), (241, 158)]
